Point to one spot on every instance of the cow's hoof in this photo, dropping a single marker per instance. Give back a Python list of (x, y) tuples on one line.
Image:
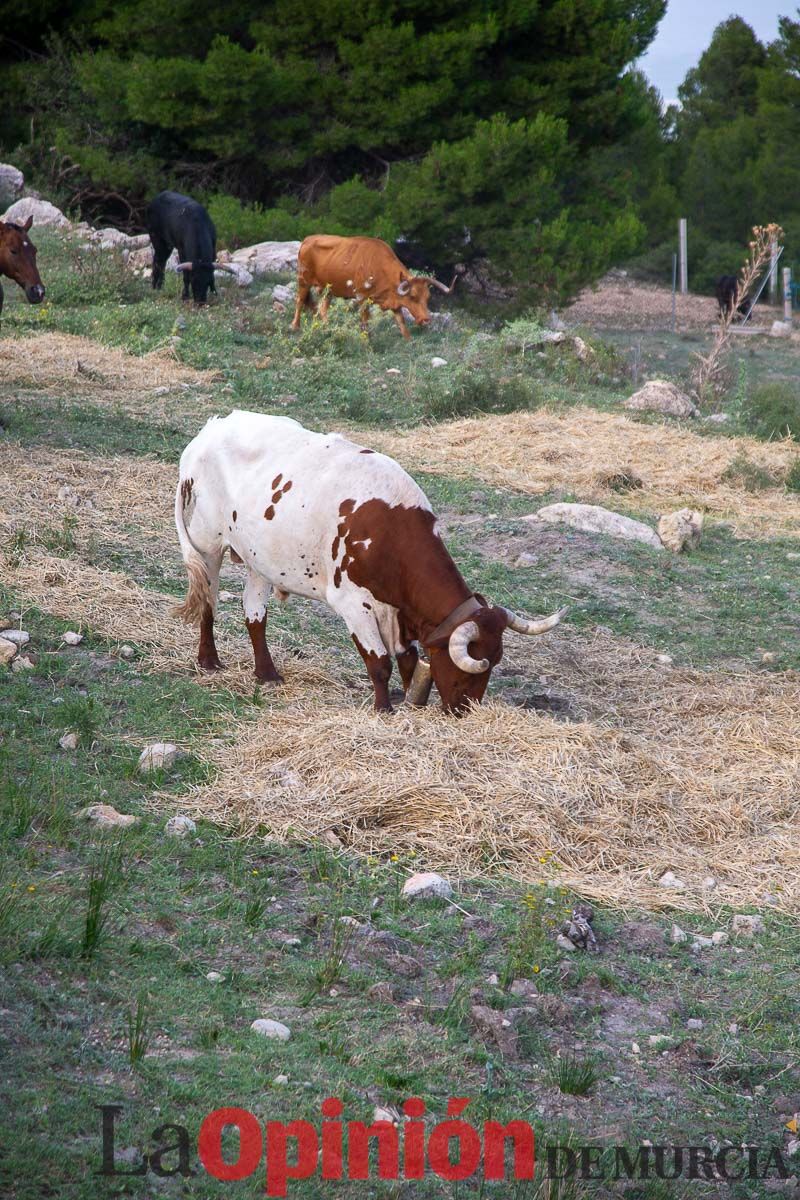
[(386, 709), (210, 664), (275, 677)]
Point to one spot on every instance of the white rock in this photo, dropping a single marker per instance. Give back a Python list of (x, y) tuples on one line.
[(12, 181), (781, 329), (694, 1023), (701, 942), (564, 943), (493, 980), (582, 351), (591, 518), (709, 883), (106, 816), (669, 880), (237, 271), (264, 258), (681, 530), (157, 757), (747, 925), (213, 977), (18, 636), (659, 1040), (425, 885), (126, 651), (179, 826), (281, 1080), (7, 650), (21, 663), (42, 211), (393, 371), (271, 1029), (226, 596), (438, 362), (666, 660), (635, 1048), (719, 418), (719, 937), (72, 638), (526, 560), (678, 935), (285, 293), (69, 741), (659, 395)]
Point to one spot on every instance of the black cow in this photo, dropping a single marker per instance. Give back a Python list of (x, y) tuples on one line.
[(727, 292), (176, 221)]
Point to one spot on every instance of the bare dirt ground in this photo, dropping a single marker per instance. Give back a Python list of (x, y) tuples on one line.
[(618, 302)]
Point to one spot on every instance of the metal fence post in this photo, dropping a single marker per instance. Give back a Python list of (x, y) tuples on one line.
[(682, 245)]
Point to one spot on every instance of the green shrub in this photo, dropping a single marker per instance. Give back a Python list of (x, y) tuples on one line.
[(773, 411), (746, 474), (793, 477), (240, 224), (467, 391)]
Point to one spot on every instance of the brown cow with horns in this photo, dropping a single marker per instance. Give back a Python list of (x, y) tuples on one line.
[(363, 269)]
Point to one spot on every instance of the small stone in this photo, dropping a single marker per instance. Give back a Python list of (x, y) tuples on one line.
[(694, 1023), (681, 530), (666, 660), (709, 883), (669, 880), (635, 1048), (22, 663), (281, 1080), (493, 981), (659, 1041), (271, 1029), (157, 757), (351, 922), (107, 817), (564, 943), (384, 1114), (701, 942), (213, 977), (381, 991), (18, 636), (72, 638), (793, 556), (179, 826), (438, 362), (733, 1028), (659, 395), (719, 937), (126, 651), (678, 935), (719, 418), (8, 650), (425, 885), (526, 560), (524, 989), (768, 657), (393, 371), (780, 329), (69, 741), (747, 925)]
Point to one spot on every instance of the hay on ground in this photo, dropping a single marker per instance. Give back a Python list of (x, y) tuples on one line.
[(667, 769), (580, 450)]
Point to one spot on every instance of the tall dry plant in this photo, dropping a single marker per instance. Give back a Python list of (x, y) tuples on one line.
[(707, 377)]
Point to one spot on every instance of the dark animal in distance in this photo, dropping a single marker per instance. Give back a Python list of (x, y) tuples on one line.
[(727, 293), (315, 515), (18, 261), (363, 269), (178, 222)]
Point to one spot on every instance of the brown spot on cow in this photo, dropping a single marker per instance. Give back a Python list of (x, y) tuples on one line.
[(269, 513), (276, 497), (366, 452), (287, 487), (276, 481), (346, 508), (335, 547), (234, 514), (337, 577), (186, 492)]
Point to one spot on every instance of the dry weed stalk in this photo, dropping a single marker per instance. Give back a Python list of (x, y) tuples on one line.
[(707, 376)]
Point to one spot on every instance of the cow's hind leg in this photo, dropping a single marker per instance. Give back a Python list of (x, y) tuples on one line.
[(304, 300), (161, 252), (256, 594), (207, 656)]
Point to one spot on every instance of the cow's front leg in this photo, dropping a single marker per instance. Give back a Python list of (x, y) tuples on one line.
[(207, 656), (187, 275), (256, 594), (324, 305), (401, 324), (161, 252), (406, 663), (379, 669)]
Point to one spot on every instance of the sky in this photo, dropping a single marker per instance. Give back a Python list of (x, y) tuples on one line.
[(686, 30)]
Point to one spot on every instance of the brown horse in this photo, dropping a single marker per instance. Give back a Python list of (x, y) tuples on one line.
[(18, 260)]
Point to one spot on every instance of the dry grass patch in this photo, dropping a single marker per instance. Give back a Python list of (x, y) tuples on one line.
[(621, 303), (583, 450), (103, 374), (691, 771)]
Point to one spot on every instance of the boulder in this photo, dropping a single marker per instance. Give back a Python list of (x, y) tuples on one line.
[(12, 181), (7, 650), (157, 757), (426, 885), (20, 637), (591, 518), (267, 258), (681, 530), (285, 293), (747, 925), (659, 395), (115, 239), (42, 211), (271, 1029), (180, 826), (72, 638)]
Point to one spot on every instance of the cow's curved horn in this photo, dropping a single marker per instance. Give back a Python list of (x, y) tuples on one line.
[(404, 287), (224, 267), (184, 266), (458, 646), (523, 625), (447, 290)]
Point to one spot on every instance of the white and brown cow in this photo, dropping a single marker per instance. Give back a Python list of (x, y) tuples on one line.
[(313, 514)]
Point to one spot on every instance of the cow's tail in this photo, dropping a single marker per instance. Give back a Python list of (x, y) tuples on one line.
[(199, 597)]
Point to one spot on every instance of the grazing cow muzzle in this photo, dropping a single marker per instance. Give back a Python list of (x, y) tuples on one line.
[(35, 294)]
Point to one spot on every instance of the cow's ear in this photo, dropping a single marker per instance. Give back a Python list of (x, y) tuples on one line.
[(481, 600), (28, 224), (404, 287)]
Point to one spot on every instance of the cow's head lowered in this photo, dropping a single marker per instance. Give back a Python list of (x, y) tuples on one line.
[(415, 293), (461, 663), (18, 259)]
